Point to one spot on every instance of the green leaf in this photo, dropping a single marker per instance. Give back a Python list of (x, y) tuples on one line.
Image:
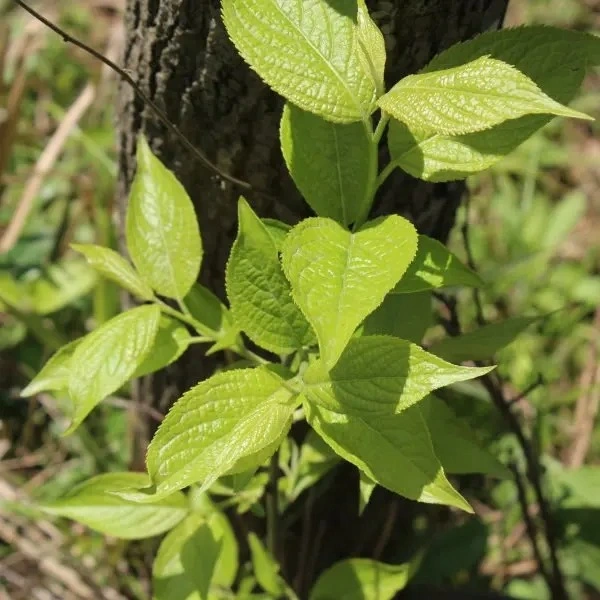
[(259, 293), (162, 232), (306, 51), (277, 230), (372, 45), (93, 504), (381, 375), (194, 557), (582, 485), (113, 266), (55, 374), (394, 450), (212, 428), (339, 277), (332, 164), (405, 316), (484, 342), (59, 285), (455, 444), (555, 59), (435, 267), (109, 356), (470, 98), (171, 341), (266, 569), (212, 317), (366, 487), (362, 579)]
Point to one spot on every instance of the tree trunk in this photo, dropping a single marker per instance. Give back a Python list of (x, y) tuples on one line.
[(179, 53)]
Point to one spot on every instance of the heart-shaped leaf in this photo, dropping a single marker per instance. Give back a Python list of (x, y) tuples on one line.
[(339, 277), (473, 97), (106, 358), (162, 232), (259, 293), (308, 52)]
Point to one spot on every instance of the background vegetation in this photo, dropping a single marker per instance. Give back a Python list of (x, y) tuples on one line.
[(530, 228)]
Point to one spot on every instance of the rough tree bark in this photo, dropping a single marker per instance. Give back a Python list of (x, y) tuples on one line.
[(179, 53)]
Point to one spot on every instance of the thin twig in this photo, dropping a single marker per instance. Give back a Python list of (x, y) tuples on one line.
[(143, 96)]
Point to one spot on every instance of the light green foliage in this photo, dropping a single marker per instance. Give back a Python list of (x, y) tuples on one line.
[(266, 569), (554, 59), (259, 293), (114, 267), (171, 341), (484, 342), (211, 429), (309, 52), (108, 357), (455, 444), (196, 559), (163, 238), (366, 487), (372, 45), (473, 97), (93, 504), (361, 578), (339, 277), (331, 163), (433, 267)]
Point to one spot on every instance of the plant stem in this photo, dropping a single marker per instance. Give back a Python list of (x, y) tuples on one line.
[(272, 508), (387, 171), (381, 127)]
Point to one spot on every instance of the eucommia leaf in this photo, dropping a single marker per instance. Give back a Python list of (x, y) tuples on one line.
[(363, 408), (484, 342), (473, 97), (362, 579), (113, 266), (372, 44), (339, 277), (106, 358), (93, 504), (555, 59), (195, 559), (229, 423), (162, 232), (331, 163), (455, 444), (433, 267), (259, 293), (309, 52)]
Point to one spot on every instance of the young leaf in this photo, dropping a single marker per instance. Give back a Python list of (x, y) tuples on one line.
[(277, 230), (106, 358), (217, 424), (394, 450), (306, 51), (162, 232), (93, 504), (381, 375), (339, 277), (55, 374), (266, 569), (362, 578), (372, 45), (405, 316), (484, 342), (435, 267), (332, 164), (473, 97), (195, 557), (113, 266), (259, 293), (455, 444), (534, 52), (366, 488), (171, 341)]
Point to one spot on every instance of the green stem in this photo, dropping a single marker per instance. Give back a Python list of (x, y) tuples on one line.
[(387, 171), (381, 127), (373, 167)]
